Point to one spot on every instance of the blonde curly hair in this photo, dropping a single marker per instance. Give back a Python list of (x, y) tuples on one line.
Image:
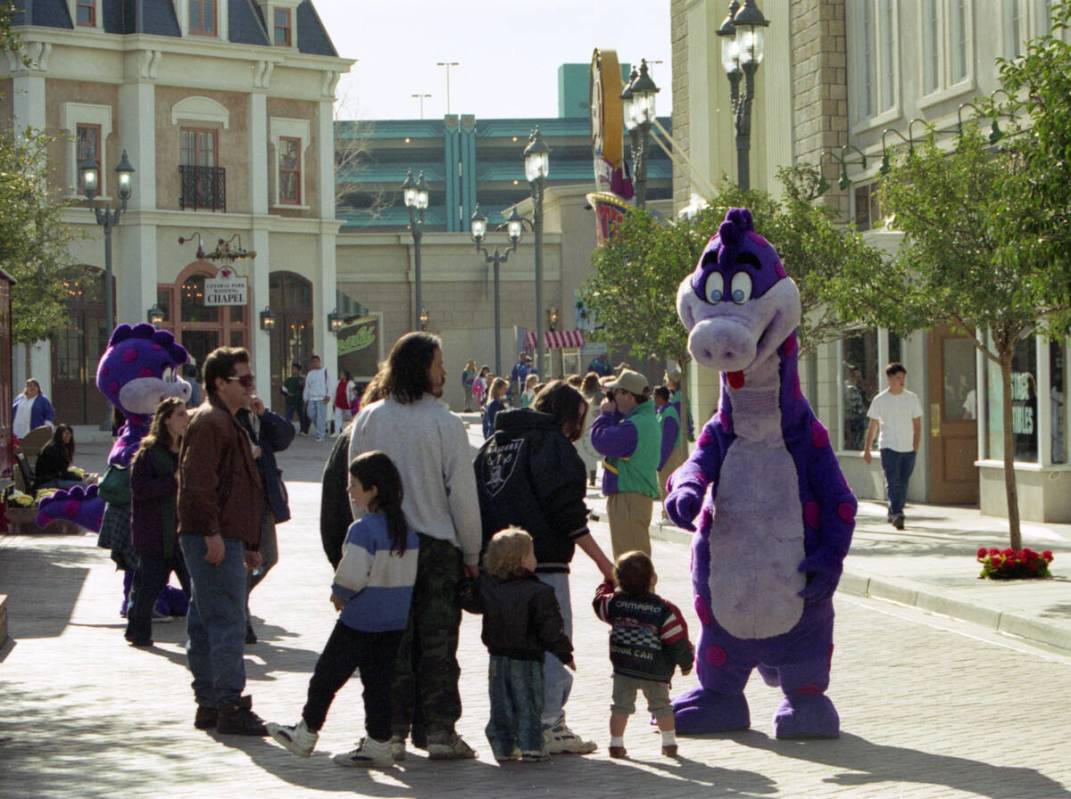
[(506, 553)]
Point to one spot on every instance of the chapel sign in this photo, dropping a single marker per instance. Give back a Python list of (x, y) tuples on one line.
[(226, 288)]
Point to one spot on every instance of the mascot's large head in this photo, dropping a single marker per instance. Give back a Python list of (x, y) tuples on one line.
[(136, 372), (738, 303)]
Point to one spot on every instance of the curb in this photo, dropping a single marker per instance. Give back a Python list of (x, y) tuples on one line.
[(905, 592)]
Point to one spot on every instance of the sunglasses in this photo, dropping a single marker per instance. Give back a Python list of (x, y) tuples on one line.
[(245, 381)]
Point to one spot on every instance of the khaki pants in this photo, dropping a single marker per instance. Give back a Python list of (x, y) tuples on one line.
[(676, 459), (630, 522)]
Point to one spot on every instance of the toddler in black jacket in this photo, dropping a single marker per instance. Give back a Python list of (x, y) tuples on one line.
[(521, 621), (648, 640)]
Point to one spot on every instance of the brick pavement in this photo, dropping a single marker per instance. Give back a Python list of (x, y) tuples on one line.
[(927, 711)]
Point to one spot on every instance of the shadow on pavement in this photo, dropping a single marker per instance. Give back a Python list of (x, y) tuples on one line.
[(420, 777), (867, 763), (42, 587)]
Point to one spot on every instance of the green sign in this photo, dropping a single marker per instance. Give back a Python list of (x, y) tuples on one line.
[(356, 338)]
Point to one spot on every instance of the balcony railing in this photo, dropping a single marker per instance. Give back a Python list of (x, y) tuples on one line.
[(204, 188)]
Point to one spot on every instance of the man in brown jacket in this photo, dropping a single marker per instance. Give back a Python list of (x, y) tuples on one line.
[(219, 505)]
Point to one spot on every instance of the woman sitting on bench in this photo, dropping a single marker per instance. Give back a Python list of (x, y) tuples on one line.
[(53, 467)]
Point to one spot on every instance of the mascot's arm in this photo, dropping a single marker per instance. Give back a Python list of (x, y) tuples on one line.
[(688, 484), (832, 515)]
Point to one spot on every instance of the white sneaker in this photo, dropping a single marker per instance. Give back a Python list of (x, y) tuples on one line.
[(397, 748), (456, 749), (298, 738), (561, 740), (369, 753)]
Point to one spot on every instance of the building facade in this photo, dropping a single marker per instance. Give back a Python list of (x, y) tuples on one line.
[(854, 69), (224, 108)]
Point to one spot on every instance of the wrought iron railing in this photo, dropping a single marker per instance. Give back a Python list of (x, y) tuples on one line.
[(204, 188)]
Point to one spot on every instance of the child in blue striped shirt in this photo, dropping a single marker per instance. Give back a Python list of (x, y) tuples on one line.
[(373, 589)]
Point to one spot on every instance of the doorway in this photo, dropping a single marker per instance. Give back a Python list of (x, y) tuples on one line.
[(77, 347), (290, 297), (953, 434)]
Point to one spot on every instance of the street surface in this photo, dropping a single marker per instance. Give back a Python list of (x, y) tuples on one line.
[(929, 707)]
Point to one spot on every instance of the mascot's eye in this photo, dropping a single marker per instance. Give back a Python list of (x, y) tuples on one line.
[(715, 288), (168, 375), (741, 288)]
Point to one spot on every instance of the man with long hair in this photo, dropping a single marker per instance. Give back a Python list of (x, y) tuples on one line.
[(428, 444)]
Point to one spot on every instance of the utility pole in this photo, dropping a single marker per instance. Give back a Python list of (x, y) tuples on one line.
[(421, 98), (447, 65)]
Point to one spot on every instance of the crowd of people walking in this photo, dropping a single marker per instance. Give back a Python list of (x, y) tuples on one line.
[(416, 531)]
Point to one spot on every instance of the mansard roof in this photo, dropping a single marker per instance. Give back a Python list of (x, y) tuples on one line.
[(246, 23)]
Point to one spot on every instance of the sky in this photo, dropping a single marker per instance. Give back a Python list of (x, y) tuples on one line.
[(508, 52)]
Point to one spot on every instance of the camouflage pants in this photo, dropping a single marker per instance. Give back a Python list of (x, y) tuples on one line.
[(425, 691)]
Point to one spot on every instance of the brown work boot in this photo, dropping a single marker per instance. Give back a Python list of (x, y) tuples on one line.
[(206, 718), (669, 750), (239, 719), (618, 752)]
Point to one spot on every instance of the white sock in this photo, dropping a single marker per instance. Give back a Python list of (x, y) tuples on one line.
[(617, 740), (669, 737)]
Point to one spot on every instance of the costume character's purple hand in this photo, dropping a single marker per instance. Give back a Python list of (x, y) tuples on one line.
[(683, 504), (824, 580)]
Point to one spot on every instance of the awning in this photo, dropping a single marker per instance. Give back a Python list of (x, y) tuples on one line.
[(556, 339)]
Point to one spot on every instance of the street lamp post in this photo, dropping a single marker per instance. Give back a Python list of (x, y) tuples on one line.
[(639, 106), (515, 227), (536, 170), (742, 35), (415, 194), (107, 218)]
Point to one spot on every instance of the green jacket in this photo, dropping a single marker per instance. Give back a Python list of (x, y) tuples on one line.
[(632, 447)]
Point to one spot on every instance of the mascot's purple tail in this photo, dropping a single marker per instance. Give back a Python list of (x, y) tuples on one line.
[(777, 520)]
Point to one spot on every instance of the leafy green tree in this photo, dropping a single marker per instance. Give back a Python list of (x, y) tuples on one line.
[(963, 263), (633, 291), (33, 239)]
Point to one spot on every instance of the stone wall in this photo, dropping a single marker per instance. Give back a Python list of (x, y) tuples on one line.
[(820, 88), (679, 54)]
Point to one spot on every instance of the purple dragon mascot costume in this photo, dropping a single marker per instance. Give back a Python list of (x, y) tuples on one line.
[(135, 373), (777, 521)]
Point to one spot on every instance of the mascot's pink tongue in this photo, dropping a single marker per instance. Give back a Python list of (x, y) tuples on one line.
[(736, 380)]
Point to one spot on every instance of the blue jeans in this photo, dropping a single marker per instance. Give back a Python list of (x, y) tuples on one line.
[(557, 680), (516, 688), (897, 467), (317, 412), (215, 623)]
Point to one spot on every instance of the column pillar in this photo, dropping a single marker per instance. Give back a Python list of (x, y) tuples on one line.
[(326, 282), (260, 340), (136, 268), (28, 107)]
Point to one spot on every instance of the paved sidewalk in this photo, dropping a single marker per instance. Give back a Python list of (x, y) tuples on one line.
[(931, 565), (927, 712)]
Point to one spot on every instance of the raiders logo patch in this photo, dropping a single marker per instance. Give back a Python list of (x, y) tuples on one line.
[(499, 463)]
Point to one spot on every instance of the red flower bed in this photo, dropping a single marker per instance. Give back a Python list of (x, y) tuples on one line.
[(1012, 564)]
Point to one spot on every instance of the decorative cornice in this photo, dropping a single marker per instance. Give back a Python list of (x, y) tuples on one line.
[(329, 82), (149, 64), (31, 57), (262, 72)]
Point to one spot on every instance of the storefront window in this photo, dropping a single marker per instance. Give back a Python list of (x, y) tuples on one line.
[(1058, 400), (861, 377), (193, 301), (960, 400), (1024, 405)]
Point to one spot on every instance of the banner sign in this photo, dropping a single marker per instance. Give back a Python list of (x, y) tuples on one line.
[(226, 288), (612, 182)]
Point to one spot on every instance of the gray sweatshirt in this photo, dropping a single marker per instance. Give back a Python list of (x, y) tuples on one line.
[(429, 446)]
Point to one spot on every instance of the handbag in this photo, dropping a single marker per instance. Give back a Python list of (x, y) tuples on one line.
[(114, 487)]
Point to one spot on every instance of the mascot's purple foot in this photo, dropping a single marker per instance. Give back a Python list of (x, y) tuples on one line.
[(806, 717), (702, 711)]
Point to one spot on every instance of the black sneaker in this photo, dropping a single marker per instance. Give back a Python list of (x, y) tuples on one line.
[(240, 720), (206, 718), (898, 521), (250, 635)]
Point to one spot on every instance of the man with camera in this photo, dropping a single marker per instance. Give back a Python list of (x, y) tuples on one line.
[(626, 434)]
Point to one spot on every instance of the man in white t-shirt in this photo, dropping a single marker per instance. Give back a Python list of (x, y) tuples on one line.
[(317, 394), (896, 416)]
